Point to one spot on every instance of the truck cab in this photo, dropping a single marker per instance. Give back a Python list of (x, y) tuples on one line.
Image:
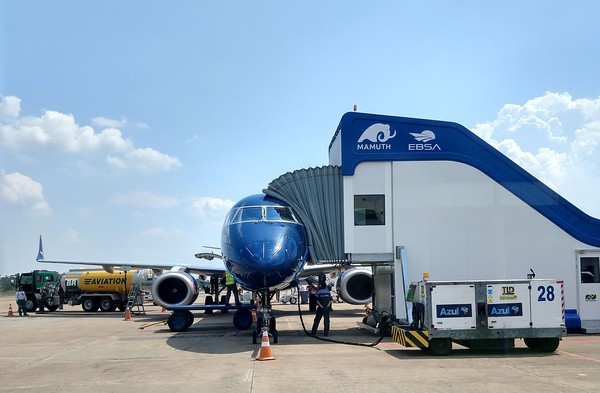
[(37, 283)]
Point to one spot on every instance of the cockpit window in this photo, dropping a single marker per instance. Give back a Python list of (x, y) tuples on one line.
[(234, 216), (255, 213), (280, 213), (251, 214)]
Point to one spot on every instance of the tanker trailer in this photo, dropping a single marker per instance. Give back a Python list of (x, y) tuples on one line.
[(98, 289)]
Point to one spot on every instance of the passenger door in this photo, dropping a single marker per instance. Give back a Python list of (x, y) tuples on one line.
[(589, 286)]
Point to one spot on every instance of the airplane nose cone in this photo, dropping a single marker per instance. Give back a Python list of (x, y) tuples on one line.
[(269, 263), (266, 255)]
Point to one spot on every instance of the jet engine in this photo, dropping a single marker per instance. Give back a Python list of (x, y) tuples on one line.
[(175, 289), (355, 286)]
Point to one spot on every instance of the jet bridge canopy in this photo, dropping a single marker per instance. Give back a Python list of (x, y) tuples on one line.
[(315, 194)]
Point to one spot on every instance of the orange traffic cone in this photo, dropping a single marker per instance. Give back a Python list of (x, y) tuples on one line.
[(265, 348), (127, 315), (163, 310), (10, 311), (253, 315)]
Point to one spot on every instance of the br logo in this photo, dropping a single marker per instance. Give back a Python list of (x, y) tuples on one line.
[(590, 297)]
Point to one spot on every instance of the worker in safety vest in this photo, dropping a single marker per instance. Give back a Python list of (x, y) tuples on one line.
[(231, 287)]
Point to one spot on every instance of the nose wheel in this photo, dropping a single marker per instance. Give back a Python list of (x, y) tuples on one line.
[(271, 328), (264, 318)]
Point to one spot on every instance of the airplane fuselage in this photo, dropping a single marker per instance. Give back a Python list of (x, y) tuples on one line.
[(263, 243)]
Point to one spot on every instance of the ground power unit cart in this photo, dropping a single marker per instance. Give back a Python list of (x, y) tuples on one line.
[(484, 314)]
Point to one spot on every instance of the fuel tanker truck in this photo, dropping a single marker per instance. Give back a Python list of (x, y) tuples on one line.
[(98, 289), (93, 289)]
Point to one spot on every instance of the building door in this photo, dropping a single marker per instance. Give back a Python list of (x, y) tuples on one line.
[(589, 286)]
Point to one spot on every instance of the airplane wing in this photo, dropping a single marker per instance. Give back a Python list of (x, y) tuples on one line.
[(311, 270), (214, 266)]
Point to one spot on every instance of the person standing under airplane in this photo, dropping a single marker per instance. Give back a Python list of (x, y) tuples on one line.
[(231, 287), (324, 301)]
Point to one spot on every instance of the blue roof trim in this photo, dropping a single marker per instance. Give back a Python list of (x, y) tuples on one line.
[(370, 137)]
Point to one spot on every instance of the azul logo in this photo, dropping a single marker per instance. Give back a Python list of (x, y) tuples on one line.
[(375, 138), (505, 310), (423, 137), (453, 310)]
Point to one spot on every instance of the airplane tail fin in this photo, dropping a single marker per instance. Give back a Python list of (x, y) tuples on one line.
[(40, 256)]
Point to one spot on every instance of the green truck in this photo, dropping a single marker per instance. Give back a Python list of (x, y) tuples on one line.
[(41, 287)]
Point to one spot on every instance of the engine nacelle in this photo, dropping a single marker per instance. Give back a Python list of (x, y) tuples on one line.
[(355, 286), (175, 289)]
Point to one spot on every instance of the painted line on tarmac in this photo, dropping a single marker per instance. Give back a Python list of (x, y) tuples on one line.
[(579, 356)]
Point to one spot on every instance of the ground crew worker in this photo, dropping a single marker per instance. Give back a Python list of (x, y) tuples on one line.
[(21, 299), (324, 301), (231, 287)]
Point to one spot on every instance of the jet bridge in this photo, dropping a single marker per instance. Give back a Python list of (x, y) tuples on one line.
[(316, 196)]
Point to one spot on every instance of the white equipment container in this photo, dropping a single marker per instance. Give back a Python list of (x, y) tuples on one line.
[(486, 313)]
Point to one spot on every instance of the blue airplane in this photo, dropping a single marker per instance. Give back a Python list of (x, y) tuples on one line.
[(264, 246)]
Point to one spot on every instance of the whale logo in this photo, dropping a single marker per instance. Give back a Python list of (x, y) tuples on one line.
[(424, 136), (377, 132)]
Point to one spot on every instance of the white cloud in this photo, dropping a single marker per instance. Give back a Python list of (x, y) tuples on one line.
[(60, 132), (109, 123), (10, 107), (586, 140), (17, 189), (71, 236), (211, 209), (144, 199), (145, 160), (554, 137)]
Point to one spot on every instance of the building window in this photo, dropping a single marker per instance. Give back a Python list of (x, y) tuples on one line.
[(369, 210)]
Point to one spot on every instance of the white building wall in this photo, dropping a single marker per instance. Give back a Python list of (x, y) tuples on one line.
[(369, 178), (456, 223)]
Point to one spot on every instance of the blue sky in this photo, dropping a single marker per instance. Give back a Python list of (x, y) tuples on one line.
[(127, 129)]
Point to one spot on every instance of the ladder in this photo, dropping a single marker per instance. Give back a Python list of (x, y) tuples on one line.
[(54, 292), (136, 299)]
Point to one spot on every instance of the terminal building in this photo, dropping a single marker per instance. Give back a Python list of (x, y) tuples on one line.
[(408, 196)]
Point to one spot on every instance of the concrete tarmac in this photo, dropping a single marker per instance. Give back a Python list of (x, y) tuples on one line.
[(73, 351)]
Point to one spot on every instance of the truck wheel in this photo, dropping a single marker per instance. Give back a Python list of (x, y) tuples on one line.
[(51, 308), (546, 344), (31, 305), (89, 305), (178, 321), (532, 343), (440, 346), (107, 305)]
